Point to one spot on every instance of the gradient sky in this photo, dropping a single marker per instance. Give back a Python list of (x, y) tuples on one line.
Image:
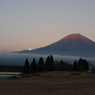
[(32, 24)]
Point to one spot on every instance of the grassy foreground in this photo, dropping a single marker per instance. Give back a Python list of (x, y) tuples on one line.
[(50, 83)]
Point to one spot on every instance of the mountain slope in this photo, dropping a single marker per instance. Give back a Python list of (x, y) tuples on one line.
[(73, 44)]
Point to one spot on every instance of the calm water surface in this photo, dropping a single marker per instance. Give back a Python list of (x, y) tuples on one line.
[(5, 75)]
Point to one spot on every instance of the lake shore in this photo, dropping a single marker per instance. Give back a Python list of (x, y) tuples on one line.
[(50, 83)]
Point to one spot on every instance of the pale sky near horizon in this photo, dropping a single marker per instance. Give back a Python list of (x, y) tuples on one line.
[(32, 24)]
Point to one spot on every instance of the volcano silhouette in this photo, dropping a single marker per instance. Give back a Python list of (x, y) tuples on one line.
[(72, 45)]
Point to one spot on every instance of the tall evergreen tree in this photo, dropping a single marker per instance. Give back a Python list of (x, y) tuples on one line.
[(85, 65), (33, 66), (80, 64), (47, 64), (61, 66), (75, 65), (26, 67), (51, 63), (41, 65)]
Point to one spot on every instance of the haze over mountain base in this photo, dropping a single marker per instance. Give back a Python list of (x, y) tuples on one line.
[(18, 59)]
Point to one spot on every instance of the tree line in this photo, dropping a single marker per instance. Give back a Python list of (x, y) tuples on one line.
[(51, 65), (6, 68)]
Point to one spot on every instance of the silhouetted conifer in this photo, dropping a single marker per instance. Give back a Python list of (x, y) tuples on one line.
[(51, 63), (26, 67), (75, 65), (41, 65), (61, 66), (33, 66), (80, 64), (85, 65), (47, 64)]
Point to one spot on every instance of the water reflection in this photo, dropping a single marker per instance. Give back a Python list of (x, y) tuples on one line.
[(6, 75)]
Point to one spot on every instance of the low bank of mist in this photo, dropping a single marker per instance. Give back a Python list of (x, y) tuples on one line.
[(16, 59)]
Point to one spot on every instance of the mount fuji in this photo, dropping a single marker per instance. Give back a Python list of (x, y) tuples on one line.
[(71, 45)]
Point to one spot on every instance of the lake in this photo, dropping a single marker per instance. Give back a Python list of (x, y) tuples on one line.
[(6, 75)]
